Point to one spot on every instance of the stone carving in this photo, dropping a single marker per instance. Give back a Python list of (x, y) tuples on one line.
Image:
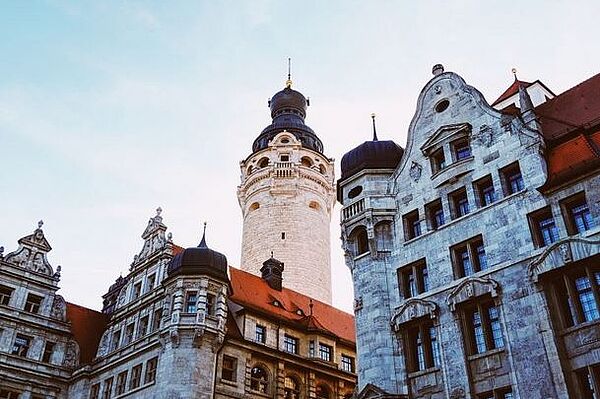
[(31, 253), (358, 303), (174, 336), (71, 354), (411, 309), (59, 308), (104, 342), (56, 275), (562, 252), (484, 136), (438, 89), (470, 288), (415, 171)]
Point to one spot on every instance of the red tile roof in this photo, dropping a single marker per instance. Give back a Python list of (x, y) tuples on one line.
[(575, 109), (87, 326), (254, 293), (511, 91)]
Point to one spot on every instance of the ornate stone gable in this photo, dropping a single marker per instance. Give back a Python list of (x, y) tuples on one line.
[(32, 253)]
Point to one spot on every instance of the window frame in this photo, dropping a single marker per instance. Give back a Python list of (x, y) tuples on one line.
[(325, 352), (412, 225), (459, 203), (260, 334), (191, 302), (471, 248), (231, 369), (429, 355), (567, 205), (458, 145), (290, 344), (33, 303), (432, 212), (150, 372), (136, 376), (48, 351), (107, 388), (536, 218), (480, 186), (95, 391), (437, 160), (211, 304), (347, 363), (506, 176), (6, 293), (482, 307), (413, 272), (121, 386), (21, 349)]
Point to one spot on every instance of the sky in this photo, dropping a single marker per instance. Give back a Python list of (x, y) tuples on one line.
[(109, 109)]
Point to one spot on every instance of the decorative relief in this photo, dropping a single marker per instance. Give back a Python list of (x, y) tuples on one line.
[(470, 288), (104, 342), (71, 354), (59, 308), (412, 309), (31, 254), (484, 136), (415, 171), (561, 253), (457, 393), (358, 304)]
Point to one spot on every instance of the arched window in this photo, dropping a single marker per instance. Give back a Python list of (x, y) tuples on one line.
[(263, 163), (323, 392), (322, 169), (314, 205), (259, 380), (250, 169), (292, 388), (359, 241), (306, 161)]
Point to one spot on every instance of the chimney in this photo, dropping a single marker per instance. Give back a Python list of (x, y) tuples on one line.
[(272, 271)]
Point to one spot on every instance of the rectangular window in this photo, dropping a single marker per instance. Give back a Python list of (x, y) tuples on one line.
[(136, 377), (484, 331), (142, 327), (413, 279), (512, 180), (150, 281), (121, 381), (543, 227), (459, 203), (137, 290), (311, 348), (290, 344), (129, 334), (576, 213), (210, 304), (33, 303), (422, 346), (229, 370), (325, 352), (484, 191), (412, 225), (261, 334), (574, 294), (588, 380), (469, 257), (461, 149), (438, 162), (347, 363), (116, 340), (48, 351), (191, 301), (5, 294), (156, 319), (107, 388), (504, 393), (435, 214), (151, 370), (21, 345), (95, 391)]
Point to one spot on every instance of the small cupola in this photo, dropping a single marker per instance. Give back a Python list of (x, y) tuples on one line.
[(272, 272)]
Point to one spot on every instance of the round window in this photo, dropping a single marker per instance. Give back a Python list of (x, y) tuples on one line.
[(442, 106), (355, 192)]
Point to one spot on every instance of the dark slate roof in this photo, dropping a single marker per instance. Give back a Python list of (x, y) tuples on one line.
[(288, 110), (374, 154), (199, 260)]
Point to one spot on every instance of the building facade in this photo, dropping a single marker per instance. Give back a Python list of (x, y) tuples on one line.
[(475, 250), (183, 323)]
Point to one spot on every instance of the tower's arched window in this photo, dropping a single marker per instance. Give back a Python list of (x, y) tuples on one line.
[(359, 241), (292, 388), (263, 163), (323, 392), (383, 236), (250, 169), (306, 161), (259, 379), (322, 169)]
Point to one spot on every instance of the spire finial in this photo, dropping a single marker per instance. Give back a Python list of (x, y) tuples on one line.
[(514, 72), (158, 211), (40, 224), (374, 129), (288, 83), (271, 254), (203, 241)]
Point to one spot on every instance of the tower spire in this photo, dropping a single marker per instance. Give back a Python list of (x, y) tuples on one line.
[(288, 83), (203, 241), (374, 128)]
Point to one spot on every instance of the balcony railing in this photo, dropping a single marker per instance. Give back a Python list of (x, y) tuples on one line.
[(353, 209)]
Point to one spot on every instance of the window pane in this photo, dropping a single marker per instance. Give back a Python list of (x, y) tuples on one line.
[(548, 231), (465, 261), (420, 352), (478, 332), (582, 217), (425, 276), (495, 327), (586, 298), (435, 350), (515, 181)]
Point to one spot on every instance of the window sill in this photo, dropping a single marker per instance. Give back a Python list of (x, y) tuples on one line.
[(489, 353), (360, 256), (581, 326), (135, 390), (450, 168), (228, 382), (420, 373)]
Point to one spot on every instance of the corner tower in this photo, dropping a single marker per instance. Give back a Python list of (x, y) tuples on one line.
[(286, 195)]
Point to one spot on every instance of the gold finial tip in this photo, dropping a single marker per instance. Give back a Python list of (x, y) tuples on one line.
[(288, 83)]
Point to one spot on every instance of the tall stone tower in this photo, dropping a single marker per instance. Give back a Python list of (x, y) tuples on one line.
[(286, 195)]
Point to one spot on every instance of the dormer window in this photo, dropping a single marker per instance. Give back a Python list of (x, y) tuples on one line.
[(276, 303), (461, 149), (438, 162)]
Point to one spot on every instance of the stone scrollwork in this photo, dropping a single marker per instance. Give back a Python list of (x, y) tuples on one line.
[(412, 309), (562, 253), (470, 288)]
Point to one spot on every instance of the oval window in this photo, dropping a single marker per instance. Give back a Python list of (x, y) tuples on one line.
[(254, 206), (285, 141), (355, 192), (442, 106), (314, 205)]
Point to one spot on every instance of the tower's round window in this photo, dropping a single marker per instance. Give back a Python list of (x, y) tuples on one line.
[(442, 105), (355, 192), (285, 141), (254, 206), (314, 205), (263, 163)]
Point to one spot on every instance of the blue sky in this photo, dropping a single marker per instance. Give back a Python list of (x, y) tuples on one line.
[(110, 109)]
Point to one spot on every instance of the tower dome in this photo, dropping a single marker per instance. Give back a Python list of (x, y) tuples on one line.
[(288, 111), (372, 154), (199, 260)]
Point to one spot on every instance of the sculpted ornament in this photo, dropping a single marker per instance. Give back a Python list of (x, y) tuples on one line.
[(485, 136), (70, 359), (59, 308), (103, 347), (415, 171)]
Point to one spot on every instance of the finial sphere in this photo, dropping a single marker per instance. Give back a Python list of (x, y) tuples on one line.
[(437, 69)]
